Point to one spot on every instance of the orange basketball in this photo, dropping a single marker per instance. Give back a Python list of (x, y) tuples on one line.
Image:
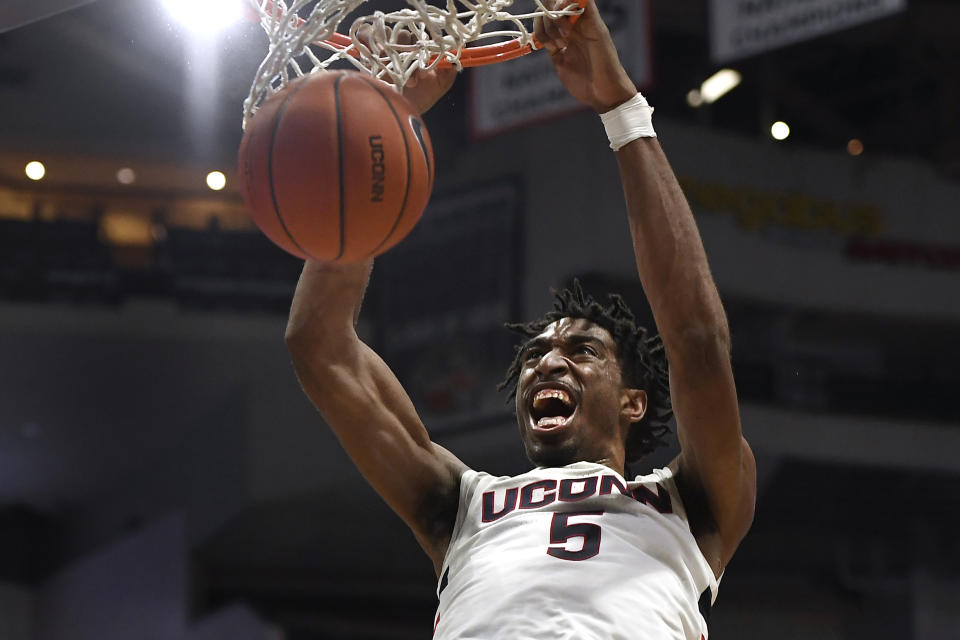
[(336, 167)]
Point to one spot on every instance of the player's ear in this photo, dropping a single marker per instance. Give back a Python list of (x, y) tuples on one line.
[(633, 404)]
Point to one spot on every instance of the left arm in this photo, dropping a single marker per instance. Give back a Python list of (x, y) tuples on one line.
[(715, 461)]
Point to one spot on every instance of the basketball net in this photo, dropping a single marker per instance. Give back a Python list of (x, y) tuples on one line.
[(303, 38)]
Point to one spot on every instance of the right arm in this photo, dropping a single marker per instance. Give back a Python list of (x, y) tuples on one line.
[(367, 408)]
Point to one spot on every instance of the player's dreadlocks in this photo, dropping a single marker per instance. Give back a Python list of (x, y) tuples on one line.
[(642, 360)]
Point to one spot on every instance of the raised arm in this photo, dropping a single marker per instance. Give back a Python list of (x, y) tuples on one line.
[(716, 467), (362, 400), (364, 404), (715, 460)]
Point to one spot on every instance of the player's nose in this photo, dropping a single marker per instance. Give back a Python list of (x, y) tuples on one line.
[(551, 365)]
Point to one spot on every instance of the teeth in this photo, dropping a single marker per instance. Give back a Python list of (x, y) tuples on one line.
[(547, 394), (551, 421)]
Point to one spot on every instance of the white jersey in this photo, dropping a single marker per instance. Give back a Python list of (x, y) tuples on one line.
[(575, 552)]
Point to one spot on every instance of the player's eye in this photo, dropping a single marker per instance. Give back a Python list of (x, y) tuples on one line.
[(532, 354), (585, 349)]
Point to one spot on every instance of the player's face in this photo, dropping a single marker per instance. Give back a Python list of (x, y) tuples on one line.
[(571, 401)]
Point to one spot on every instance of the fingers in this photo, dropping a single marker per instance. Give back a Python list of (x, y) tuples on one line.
[(422, 87), (444, 78), (364, 35), (403, 36), (548, 34), (440, 78), (554, 33)]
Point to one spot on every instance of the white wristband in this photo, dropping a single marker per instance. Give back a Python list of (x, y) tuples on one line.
[(631, 120)]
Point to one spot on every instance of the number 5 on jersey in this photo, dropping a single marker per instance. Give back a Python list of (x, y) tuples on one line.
[(562, 531)]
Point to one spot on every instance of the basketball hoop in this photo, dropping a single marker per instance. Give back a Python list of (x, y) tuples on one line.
[(303, 38)]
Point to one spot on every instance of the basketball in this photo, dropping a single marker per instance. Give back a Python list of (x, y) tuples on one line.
[(336, 167)]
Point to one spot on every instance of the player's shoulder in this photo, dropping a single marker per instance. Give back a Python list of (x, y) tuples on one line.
[(474, 478)]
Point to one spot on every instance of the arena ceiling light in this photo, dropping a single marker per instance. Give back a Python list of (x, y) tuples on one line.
[(126, 175), (216, 181), (35, 170), (205, 17), (719, 84), (780, 130)]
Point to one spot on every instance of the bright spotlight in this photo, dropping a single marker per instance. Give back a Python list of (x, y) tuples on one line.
[(35, 170), (205, 17), (216, 180), (780, 130), (719, 84)]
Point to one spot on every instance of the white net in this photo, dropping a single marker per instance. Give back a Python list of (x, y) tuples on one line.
[(303, 38)]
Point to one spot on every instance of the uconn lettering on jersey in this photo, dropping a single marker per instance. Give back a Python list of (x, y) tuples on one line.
[(544, 492)]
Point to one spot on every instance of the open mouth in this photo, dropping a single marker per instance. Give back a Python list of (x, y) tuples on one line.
[(551, 408)]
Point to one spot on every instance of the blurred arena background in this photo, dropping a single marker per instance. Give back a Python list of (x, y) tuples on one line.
[(161, 474)]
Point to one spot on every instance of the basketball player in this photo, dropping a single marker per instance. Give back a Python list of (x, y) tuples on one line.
[(574, 548)]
